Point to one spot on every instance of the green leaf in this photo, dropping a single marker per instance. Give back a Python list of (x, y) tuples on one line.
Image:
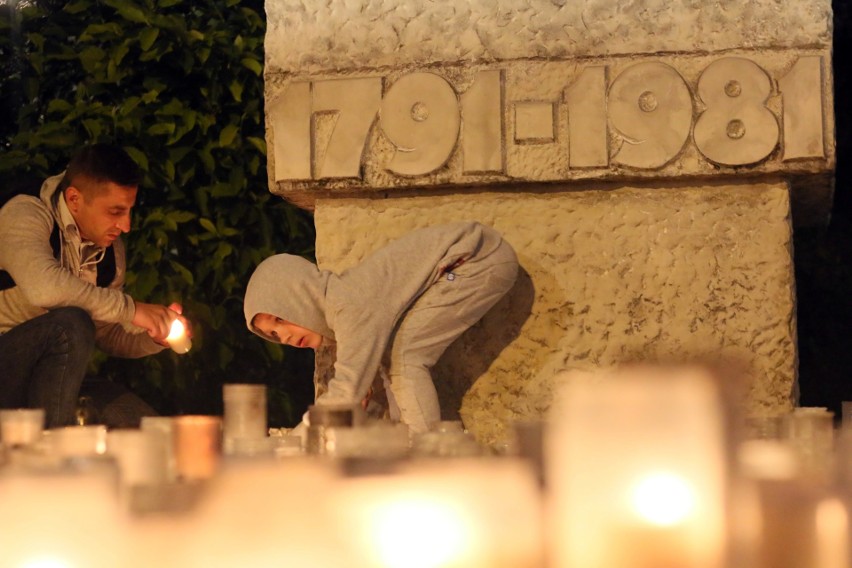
[(236, 89), (224, 249), (37, 40), (223, 189), (168, 3), (203, 54), (253, 65), (184, 273), (93, 30), (162, 128), (227, 135), (129, 105), (147, 37), (91, 58), (258, 143), (207, 159), (208, 225), (127, 10), (77, 6), (144, 284), (181, 216), (119, 52), (93, 128), (58, 105), (138, 156)]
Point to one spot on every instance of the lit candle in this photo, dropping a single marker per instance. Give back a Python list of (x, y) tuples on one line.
[(178, 340), (637, 471), (21, 426), (455, 514), (656, 532)]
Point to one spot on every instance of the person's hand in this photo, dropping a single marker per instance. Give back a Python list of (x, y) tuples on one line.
[(156, 320), (366, 401)]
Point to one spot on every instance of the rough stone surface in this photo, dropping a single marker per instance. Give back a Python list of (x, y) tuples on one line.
[(607, 276), (313, 36), (692, 89)]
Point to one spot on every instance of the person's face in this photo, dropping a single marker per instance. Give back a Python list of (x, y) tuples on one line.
[(282, 331), (103, 212)]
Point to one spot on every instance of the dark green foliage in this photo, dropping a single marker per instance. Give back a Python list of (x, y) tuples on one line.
[(179, 84)]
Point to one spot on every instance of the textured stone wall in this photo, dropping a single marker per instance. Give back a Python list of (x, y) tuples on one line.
[(607, 276), (371, 96), (312, 37), (642, 156)]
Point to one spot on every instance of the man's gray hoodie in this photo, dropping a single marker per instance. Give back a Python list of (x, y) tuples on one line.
[(359, 308), (44, 282)]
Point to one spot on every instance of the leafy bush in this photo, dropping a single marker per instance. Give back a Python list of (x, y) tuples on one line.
[(179, 84)]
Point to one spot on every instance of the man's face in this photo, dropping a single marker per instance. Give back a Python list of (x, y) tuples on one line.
[(103, 212), (282, 331)]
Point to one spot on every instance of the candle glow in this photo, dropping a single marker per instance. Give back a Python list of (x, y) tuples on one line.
[(663, 499), (177, 338), (419, 533), (46, 563)]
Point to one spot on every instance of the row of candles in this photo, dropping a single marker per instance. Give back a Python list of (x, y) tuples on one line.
[(644, 467)]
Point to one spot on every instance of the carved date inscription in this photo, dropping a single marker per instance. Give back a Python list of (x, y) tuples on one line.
[(642, 118)]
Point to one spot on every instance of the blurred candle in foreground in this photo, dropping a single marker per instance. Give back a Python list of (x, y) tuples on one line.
[(21, 426), (178, 339), (198, 446), (463, 513), (639, 470), (64, 518), (245, 415)]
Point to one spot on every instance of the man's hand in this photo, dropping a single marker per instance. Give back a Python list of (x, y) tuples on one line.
[(157, 319), (366, 400)]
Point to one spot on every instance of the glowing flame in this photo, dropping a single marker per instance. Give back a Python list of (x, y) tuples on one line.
[(177, 330), (663, 499), (419, 533)]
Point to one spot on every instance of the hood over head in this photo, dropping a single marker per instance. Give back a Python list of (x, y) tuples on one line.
[(291, 288)]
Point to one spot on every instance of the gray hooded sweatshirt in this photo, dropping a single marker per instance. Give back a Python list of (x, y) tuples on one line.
[(359, 308), (45, 282)]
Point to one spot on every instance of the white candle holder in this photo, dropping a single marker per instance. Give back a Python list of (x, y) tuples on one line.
[(245, 416), (21, 426), (638, 469)]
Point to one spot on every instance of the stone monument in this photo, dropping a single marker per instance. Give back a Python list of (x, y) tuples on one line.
[(642, 157)]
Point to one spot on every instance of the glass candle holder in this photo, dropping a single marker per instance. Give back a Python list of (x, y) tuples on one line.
[(245, 414), (810, 432), (140, 456), (162, 427), (464, 513), (198, 446), (21, 426), (78, 441), (638, 470), (324, 418)]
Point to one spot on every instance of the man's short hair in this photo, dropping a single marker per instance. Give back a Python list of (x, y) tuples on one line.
[(102, 163)]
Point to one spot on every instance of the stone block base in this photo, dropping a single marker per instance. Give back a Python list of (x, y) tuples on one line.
[(608, 275)]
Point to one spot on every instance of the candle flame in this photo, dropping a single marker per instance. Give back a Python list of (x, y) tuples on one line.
[(663, 499), (177, 330)]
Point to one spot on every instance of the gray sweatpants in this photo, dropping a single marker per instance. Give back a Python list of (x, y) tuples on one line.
[(437, 318)]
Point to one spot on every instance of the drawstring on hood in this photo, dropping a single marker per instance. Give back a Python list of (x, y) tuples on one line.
[(303, 304)]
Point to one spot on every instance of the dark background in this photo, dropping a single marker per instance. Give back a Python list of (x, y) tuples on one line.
[(823, 258)]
